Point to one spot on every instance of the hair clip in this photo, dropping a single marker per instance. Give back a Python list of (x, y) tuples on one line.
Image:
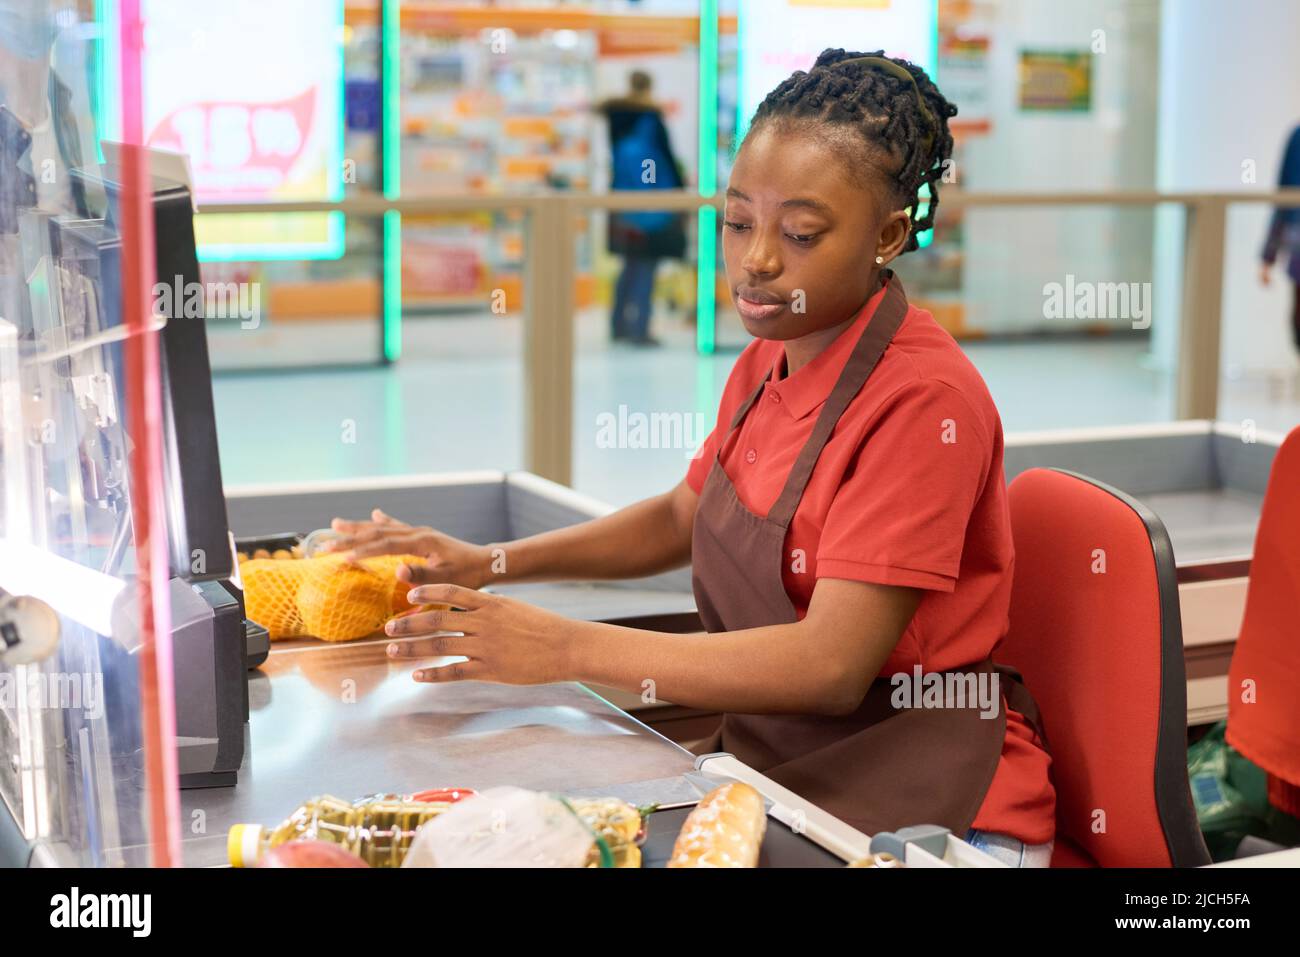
[(886, 65)]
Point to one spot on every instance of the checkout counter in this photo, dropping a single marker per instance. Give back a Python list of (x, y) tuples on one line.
[(260, 730), (342, 719), (346, 720)]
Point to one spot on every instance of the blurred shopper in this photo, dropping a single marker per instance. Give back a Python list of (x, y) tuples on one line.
[(642, 158), (1284, 231)]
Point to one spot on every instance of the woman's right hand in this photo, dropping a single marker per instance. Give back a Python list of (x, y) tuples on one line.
[(449, 559)]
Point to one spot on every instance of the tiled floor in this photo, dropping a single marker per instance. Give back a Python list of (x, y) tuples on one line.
[(454, 401)]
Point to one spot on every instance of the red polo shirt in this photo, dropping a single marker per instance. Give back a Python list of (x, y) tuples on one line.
[(908, 491)]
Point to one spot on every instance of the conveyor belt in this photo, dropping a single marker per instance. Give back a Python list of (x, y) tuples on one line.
[(1208, 524)]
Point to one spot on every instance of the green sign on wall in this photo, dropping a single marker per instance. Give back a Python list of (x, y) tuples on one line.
[(1056, 81)]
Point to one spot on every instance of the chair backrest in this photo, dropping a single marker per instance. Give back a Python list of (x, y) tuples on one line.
[(1264, 678), (1095, 630)]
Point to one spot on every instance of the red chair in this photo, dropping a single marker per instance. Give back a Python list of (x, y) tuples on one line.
[(1095, 630), (1264, 678)]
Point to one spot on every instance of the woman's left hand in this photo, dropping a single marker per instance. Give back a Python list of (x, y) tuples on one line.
[(505, 640)]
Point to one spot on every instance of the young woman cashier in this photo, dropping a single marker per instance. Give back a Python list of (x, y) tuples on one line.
[(846, 522)]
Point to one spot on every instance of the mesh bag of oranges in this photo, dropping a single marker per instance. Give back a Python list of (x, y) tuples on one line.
[(324, 596)]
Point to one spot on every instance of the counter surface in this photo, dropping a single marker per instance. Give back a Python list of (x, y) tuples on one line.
[(347, 721)]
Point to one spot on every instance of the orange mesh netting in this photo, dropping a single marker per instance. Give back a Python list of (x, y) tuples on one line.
[(325, 597)]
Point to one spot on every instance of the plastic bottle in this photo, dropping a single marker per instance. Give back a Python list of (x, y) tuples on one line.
[(378, 830)]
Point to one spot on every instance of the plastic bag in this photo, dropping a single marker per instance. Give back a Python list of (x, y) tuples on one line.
[(1228, 792), (503, 827)]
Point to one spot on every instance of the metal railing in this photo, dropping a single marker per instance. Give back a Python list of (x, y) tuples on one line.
[(550, 273)]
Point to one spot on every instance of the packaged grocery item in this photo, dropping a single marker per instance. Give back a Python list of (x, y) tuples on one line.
[(309, 854), (340, 602), (442, 795), (378, 830), (1231, 797), (313, 542), (270, 596), (325, 597), (514, 827), (618, 824), (724, 830)]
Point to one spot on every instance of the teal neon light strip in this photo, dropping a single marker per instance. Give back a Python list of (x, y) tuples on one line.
[(742, 119), (706, 233), (708, 97), (924, 239), (107, 107), (392, 285), (336, 245), (706, 281), (932, 67), (391, 93)]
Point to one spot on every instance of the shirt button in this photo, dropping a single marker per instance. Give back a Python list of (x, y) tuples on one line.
[(775, 396), (751, 456)]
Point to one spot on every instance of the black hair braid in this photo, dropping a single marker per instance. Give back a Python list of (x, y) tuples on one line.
[(887, 112)]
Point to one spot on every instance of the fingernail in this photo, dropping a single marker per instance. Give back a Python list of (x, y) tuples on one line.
[(391, 628), (393, 650), (413, 596), (420, 675)]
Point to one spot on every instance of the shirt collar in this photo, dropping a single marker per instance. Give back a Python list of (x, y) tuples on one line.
[(809, 387)]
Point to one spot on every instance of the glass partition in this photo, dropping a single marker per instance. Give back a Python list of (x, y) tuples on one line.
[(76, 413)]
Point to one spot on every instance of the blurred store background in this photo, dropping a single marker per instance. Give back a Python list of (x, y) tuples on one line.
[(395, 341)]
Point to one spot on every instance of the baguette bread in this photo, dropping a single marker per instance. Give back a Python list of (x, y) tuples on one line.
[(724, 830)]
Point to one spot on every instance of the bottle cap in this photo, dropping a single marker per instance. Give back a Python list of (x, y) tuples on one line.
[(242, 844)]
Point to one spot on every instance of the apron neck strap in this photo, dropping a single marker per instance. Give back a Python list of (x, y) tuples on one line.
[(866, 354), (748, 404)]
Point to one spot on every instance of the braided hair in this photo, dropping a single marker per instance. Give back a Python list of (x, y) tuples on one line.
[(907, 121)]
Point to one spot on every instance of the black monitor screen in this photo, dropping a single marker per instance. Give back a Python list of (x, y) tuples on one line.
[(89, 252)]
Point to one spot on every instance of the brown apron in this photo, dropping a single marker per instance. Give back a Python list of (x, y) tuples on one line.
[(880, 768)]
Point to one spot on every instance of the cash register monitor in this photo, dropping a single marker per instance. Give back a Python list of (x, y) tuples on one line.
[(89, 252), (210, 640)]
